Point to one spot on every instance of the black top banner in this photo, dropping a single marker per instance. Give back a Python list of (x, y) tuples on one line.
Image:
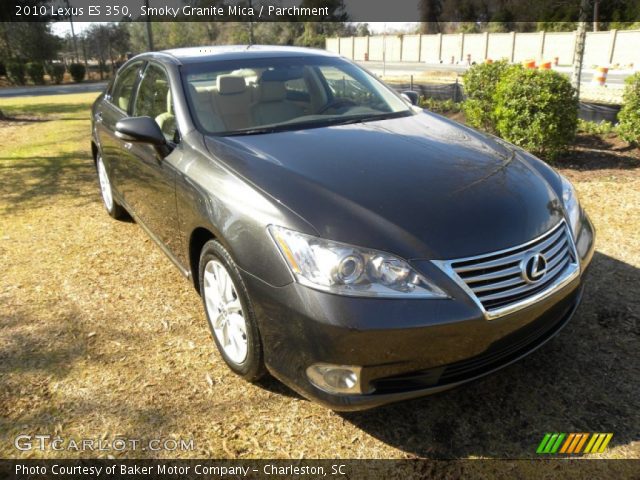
[(431, 11)]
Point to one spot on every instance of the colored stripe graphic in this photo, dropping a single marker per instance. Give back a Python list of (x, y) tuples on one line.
[(572, 443)]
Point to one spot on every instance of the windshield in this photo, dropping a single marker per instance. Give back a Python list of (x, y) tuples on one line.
[(287, 93)]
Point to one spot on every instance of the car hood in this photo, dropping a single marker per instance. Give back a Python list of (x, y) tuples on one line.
[(420, 186)]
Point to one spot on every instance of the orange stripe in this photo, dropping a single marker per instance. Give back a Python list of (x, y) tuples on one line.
[(576, 439), (584, 439), (567, 442)]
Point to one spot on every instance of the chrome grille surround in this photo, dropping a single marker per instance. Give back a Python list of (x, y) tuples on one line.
[(495, 280)]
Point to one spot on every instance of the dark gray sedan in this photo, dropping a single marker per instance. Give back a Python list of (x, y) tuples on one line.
[(358, 248)]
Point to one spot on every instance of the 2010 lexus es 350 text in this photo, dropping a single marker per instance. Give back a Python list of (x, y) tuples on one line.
[(358, 248)]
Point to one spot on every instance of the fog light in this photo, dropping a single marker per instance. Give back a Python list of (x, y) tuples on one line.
[(343, 379)]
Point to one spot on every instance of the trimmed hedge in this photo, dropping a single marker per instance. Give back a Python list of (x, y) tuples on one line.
[(56, 72), (77, 72), (16, 72), (35, 71), (480, 83), (536, 110), (629, 116)]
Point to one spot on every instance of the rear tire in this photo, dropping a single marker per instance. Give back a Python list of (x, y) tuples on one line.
[(113, 208), (230, 313)]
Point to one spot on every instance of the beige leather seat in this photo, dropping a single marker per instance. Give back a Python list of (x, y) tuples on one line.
[(167, 120), (231, 101), (273, 106), (202, 104)]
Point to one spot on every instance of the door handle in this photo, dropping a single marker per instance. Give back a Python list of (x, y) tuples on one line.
[(98, 117)]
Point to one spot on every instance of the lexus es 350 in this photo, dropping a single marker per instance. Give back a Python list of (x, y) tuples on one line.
[(358, 248)]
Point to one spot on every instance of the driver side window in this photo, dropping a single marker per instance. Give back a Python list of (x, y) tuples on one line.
[(154, 100), (344, 86), (123, 88)]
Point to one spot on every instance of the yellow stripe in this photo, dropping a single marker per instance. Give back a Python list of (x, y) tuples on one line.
[(606, 442), (567, 442), (594, 437), (596, 446), (584, 439)]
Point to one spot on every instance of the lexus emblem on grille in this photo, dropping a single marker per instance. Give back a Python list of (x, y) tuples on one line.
[(534, 267)]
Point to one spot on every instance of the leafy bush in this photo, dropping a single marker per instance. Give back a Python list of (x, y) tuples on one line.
[(536, 110), (77, 71), (596, 128), (439, 106), (15, 72), (480, 83), (35, 71), (629, 116), (56, 72)]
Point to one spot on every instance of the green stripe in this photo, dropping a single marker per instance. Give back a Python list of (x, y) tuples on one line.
[(550, 444), (543, 443), (558, 443)]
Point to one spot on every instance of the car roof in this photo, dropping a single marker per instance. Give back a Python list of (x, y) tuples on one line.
[(238, 52)]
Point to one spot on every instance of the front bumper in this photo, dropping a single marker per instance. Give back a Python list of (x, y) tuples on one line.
[(407, 347)]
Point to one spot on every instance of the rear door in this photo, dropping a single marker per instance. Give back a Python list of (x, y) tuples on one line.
[(116, 105)]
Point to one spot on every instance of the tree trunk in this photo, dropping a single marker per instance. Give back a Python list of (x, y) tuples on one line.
[(578, 57)]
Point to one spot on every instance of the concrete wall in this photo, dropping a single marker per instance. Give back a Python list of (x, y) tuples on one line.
[(602, 48)]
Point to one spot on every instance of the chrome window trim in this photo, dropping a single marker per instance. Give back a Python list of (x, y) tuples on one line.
[(572, 271)]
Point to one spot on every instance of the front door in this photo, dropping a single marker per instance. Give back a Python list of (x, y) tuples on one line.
[(152, 177)]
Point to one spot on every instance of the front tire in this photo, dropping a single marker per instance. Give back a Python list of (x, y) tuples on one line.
[(229, 312), (113, 208)]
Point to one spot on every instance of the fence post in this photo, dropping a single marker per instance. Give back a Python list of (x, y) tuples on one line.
[(513, 46), (612, 45), (401, 45), (461, 46), (368, 51), (486, 46), (338, 38), (353, 48), (542, 39)]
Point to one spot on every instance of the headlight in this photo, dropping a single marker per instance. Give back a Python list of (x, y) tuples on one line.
[(347, 270), (571, 204)]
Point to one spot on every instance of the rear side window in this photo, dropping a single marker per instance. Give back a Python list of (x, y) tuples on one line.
[(123, 87)]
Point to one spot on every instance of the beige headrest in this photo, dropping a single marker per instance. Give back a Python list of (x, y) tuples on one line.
[(272, 91), (231, 84)]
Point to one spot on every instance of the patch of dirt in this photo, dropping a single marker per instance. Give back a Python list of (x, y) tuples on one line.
[(600, 156)]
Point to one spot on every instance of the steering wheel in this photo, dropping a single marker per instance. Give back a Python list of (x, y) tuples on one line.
[(335, 103)]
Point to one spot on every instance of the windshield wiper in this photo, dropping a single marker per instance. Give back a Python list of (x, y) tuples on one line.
[(368, 118), (328, 122)]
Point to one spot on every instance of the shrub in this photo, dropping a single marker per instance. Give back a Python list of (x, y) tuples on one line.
[(480, 83), (536, 110), (77, 71), (596, 128), (56, 72), (629, 116), (439, 106), (15, 72), (35, 71)]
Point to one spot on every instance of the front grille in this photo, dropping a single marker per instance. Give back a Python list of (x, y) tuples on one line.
[(496, 280)]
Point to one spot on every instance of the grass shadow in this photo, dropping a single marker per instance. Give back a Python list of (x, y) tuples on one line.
[(34, 180)]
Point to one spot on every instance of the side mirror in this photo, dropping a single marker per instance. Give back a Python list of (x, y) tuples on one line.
[(140, 130), (411, 96)]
